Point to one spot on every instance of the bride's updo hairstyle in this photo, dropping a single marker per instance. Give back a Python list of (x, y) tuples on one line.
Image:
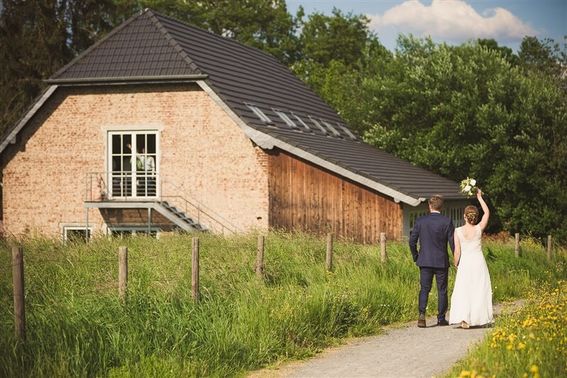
[(471, 214)]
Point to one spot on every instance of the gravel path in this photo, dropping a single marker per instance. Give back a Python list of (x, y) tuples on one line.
[(399, 352)]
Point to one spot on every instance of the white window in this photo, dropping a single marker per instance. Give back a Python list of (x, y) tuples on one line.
[(76, 233), (316, 123), (260, 114), (301, 122), (347, 131), (285, 118), (133, 164), (333, 130)]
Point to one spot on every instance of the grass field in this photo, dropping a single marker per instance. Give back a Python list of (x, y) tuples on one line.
[(77, 326)]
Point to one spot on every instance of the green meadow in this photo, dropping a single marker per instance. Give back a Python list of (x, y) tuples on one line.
[(77, 325)]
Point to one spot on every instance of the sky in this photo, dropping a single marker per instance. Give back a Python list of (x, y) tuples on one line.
[(453, 21)]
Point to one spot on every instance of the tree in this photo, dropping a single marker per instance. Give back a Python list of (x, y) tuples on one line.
[(545, 57), (338, 37), (464, 111), (506, 52)]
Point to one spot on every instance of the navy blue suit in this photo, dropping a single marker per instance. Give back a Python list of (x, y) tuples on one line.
[(434, 232)]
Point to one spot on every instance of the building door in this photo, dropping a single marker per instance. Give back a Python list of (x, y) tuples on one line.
[(133, 165)]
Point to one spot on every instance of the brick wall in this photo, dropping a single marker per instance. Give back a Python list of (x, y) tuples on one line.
[(205, 157)]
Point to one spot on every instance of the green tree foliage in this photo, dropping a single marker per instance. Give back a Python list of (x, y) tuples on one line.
[(337, 53), (337, 37), (37, 38), (466, 111)]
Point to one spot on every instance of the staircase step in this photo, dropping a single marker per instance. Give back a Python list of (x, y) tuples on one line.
[(182, 216)]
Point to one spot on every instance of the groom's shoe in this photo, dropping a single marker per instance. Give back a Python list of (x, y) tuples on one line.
[(442, 322), (421, 321)]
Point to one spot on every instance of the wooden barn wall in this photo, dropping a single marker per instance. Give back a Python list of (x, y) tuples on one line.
[(308, 198)]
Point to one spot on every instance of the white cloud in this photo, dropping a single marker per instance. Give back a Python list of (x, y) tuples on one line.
[(453, 20)]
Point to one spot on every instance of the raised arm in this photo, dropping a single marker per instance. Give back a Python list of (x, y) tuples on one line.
[(484, 221)]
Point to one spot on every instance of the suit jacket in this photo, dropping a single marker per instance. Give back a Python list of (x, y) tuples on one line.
[(433, 231)]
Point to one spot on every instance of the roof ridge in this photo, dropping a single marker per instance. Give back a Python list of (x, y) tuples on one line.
[(172, 41), (97, 44), (229, 40)]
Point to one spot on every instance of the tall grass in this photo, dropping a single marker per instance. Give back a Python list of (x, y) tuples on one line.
[(76, 325)]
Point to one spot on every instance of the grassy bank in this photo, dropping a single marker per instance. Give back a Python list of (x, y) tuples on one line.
[(529, 343), (76, 326)]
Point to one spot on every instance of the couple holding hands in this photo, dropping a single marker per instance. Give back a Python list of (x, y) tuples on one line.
[(471, 301)]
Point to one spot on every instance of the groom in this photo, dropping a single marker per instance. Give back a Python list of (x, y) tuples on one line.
[(433, 231)]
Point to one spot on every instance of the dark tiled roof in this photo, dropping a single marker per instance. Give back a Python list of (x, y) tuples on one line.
[(136, 48), (153, 45)]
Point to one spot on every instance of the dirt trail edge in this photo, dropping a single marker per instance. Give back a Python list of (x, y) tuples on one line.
[(407, 351)]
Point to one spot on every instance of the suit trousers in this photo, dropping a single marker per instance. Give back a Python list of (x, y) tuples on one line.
[(426, 279)]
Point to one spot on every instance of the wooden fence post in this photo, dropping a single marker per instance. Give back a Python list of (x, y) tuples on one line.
[(122, 272), (260, 257), (329, 257), (18, 287), (517, 245), (549, 248), (195, 270), (383, 247)]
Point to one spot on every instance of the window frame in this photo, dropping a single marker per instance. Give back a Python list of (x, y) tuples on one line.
[(134, 173), (75, 227)]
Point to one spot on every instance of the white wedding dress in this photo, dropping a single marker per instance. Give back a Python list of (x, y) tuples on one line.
[(471, 300)]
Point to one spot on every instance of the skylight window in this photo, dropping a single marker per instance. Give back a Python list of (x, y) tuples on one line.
[(301, 121), (333, 130), (316, 123), (347, 131), (285, 118), (260, 114)]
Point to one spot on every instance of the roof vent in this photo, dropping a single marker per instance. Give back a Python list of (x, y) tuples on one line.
[(347, 131), (316, 123), (298, 118), (260, 114), (333, 130), (285, 118)]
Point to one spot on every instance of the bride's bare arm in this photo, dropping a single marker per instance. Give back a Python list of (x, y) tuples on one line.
[(484, 221), (457, 253)]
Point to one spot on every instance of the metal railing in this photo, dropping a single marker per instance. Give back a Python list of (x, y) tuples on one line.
[(151, 187)]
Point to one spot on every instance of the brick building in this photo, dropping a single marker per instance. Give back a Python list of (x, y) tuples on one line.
[(162, 126)]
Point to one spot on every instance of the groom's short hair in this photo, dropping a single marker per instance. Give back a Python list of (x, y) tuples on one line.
[(436, 202)]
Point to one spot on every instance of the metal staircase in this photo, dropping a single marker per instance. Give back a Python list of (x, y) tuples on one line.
[(178, 217), (153, 195)]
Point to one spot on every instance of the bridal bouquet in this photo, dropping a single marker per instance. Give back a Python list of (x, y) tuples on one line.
[(468, 186)]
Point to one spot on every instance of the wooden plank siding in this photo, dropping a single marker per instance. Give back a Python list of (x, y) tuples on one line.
[(309, 198)]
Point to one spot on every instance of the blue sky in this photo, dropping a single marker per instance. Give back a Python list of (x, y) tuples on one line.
[(454, 21)]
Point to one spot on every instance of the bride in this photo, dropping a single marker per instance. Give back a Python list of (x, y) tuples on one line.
[(471, 301)]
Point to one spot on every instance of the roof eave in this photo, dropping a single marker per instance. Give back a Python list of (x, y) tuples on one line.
[(10, 138), (118, 80)]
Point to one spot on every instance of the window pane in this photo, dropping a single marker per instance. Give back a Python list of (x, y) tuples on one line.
[(151, 144), (115, 144), (140, 143), (126, 144), (116, 164)]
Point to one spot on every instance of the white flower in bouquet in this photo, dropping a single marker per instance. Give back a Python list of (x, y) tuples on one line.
[(468, 186)]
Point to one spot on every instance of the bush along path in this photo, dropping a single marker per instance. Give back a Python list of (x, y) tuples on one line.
[(406, 351)]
